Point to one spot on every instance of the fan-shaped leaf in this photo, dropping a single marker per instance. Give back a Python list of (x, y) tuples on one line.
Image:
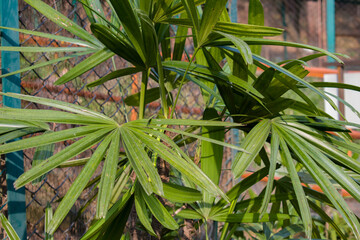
[(78, 185)]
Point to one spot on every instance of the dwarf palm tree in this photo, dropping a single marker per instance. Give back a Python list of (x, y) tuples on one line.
[(224, 64)]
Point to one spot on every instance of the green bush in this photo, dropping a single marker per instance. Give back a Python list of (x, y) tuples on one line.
[(150, 36)]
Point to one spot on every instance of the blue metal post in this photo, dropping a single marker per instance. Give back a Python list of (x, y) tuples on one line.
[(235, 132), (10, 62), (233, 11), (330, 27)]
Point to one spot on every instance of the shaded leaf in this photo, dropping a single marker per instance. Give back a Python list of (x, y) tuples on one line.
[(131, 25), (181, 194), (152, 94), (250, 217), (116, 74), (211, 156), (252, 143), (159, 211), (141, 211), (42, 153), (100, 226), (78, 185)]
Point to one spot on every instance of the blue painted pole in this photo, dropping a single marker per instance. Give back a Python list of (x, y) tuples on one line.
[(233, 11), (330, 27), (235, 132), (10, 61)]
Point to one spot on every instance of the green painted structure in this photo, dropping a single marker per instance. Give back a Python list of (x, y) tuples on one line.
[(330, 27), (14, 161)]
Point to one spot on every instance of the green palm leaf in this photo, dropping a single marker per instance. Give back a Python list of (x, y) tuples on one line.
[(53, 36), (86, 65), (108, 176), (62, 156), (60, 105), (141, 163), (300, 195), (250, 217), (62, 21), (252, 143), (159, 211), (8, 228), (185, 166), (131, 25), (211, 156), (318, 174), (79, 184), (141, 211), (209, 18)]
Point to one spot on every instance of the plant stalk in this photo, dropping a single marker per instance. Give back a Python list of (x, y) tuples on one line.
[(144, 81), (226, 225), (182, 83), (162, 86), (206, 229)]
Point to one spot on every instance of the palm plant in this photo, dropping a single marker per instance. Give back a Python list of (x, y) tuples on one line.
[(150, 36)]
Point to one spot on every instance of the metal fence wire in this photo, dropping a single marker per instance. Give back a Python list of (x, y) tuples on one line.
[(107, 99), (303, 20), (39, 82)]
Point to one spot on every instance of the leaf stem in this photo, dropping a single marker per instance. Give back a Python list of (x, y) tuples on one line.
[(162, 86), (144, 81), (182, 83), (120, 90), (226, 225), (206, 229)]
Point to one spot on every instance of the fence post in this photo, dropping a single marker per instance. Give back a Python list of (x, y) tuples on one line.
[(330, 27), (234, 11), (14, 161)]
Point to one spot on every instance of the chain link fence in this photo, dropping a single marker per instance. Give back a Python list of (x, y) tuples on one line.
[(107, 99), (303, 21)]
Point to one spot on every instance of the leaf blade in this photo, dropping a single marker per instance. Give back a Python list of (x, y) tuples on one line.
[(57, 104), (253, 143), (141, 163), (300, 195), (78, 185), (108, 176), (116, 74), (10, 231), (62, 156), (211, 14), (84, 66), (62, 21), (159, 211)]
